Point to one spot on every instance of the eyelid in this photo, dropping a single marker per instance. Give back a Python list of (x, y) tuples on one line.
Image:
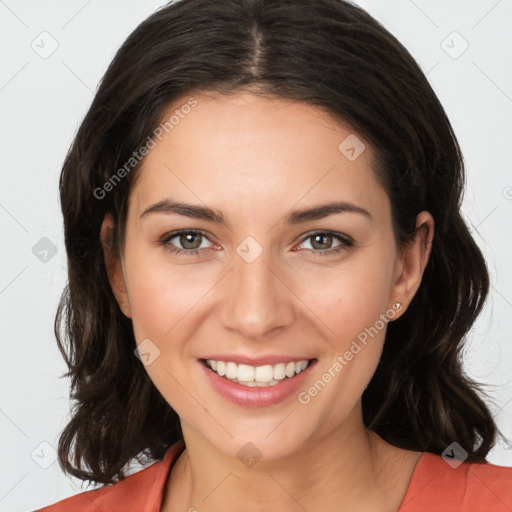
[(334, 234), (173, 234)]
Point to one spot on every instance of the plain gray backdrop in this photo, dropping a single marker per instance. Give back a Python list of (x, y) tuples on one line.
[(53, 56)]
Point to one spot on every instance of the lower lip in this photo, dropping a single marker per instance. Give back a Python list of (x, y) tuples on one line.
[(255, 396)]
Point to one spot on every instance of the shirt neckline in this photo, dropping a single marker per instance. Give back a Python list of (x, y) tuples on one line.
[(418, 468), (175, 450), (157, 491)]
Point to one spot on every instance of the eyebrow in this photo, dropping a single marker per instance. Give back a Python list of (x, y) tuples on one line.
[(294, 217)]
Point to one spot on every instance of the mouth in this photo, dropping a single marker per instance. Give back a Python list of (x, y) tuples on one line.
[(256, 386), (257, 376)]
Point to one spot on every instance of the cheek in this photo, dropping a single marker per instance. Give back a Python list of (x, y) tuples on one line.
[(351, 303), (161, 295), (164, 303), (347, 300)]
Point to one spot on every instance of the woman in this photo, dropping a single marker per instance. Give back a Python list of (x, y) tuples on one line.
[(269, 277)]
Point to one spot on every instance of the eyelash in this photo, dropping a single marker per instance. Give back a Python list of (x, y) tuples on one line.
[(345, 242)]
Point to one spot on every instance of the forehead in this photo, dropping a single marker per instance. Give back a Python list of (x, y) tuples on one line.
[(241, 148)]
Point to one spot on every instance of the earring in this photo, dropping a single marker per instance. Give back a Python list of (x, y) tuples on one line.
[(397, 306)]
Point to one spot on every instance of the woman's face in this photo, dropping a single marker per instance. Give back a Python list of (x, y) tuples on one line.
[(268, 285)]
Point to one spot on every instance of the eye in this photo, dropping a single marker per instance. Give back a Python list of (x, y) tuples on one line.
[(191, 241), (321, 242)]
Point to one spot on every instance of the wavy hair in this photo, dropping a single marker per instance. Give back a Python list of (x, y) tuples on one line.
[(334, 56)]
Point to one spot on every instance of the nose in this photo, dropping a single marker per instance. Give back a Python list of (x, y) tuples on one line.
[(257, 299)]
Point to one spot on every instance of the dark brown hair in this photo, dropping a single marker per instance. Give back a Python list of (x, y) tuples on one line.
[(329, 54)]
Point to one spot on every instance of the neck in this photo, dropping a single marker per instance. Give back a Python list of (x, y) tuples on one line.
[(351, 469)]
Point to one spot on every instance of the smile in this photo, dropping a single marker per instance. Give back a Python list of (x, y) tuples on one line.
[(258, 385), (257, 376)]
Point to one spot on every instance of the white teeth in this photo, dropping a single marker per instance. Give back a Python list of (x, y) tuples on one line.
[(260, 376), (280, 371), (249, 383), (264, 373), (245, 373), (231, 370), (221, 368)]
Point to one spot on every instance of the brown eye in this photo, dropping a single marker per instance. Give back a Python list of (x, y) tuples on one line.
[(322, 242), (185, 243), (190, 240)]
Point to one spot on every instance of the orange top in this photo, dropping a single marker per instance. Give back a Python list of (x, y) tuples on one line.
[(434, 487)]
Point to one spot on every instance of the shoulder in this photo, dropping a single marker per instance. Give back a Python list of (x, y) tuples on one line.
[(469, 487), (139, 492)]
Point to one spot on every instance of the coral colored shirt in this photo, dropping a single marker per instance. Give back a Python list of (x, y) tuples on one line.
[(434, 487)]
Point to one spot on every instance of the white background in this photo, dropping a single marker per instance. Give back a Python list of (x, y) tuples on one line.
[(42, 102)]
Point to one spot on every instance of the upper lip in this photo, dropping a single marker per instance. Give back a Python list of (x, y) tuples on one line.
[(257, 361)]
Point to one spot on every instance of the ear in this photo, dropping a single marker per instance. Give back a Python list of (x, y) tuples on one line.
[(114, 265), (413, 260)]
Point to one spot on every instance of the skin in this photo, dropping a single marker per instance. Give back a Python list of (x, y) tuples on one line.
[(254, 160)]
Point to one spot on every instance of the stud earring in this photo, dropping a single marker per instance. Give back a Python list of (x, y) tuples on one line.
[(397, 306)]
